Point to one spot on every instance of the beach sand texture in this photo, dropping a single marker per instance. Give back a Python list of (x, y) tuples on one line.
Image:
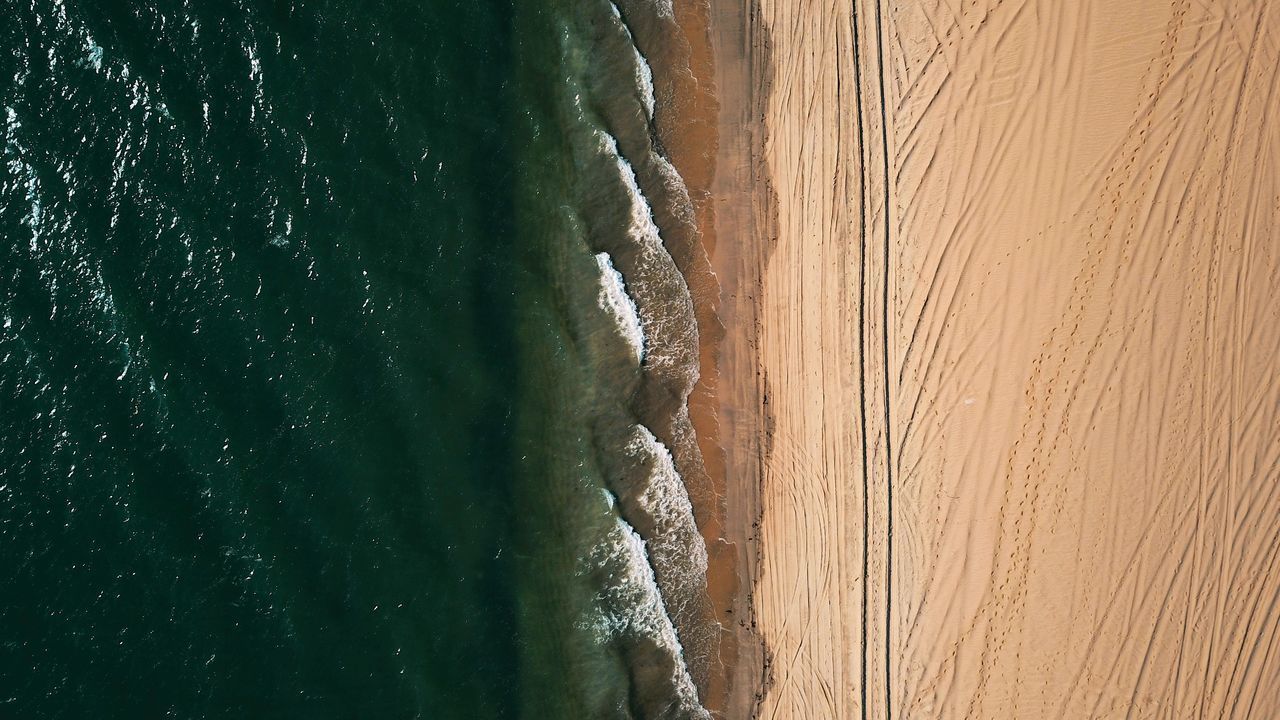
[(1016, 355)]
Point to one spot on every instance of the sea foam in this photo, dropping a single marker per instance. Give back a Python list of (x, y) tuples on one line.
[(615, 301), (644, 73), (671, 333), (631, 610), (678, 550), (651, 562)]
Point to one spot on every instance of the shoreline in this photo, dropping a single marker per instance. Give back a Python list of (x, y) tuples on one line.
[(715, 140), (712, 133), (795, 299)]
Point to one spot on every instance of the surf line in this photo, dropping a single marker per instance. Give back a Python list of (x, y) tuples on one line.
[(664, 499)]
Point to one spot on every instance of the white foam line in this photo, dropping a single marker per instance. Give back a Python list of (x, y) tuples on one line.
[(633, 605), (666, 500), (615, 301), (644, 232), (644, 73)]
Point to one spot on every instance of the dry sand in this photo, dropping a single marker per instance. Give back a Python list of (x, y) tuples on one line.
[(1000, 381)]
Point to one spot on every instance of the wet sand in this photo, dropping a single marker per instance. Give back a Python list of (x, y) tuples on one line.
[(741, 212), (680, 52), (998, 392)]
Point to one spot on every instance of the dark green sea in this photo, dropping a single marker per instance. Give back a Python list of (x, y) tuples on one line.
[(343, 360)]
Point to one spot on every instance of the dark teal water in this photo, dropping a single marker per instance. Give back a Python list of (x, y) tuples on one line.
[(287, 379)]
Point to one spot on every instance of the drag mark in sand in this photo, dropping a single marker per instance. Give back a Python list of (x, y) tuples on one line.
[(888, 408), (862, 348)]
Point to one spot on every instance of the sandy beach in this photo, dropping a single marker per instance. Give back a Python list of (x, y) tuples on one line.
[(998, 395)]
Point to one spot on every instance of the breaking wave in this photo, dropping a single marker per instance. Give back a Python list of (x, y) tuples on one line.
[(615, 301), (632, 612), (636, 321)]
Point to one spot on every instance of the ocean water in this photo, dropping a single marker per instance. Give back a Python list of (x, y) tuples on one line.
[(342, 364)]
